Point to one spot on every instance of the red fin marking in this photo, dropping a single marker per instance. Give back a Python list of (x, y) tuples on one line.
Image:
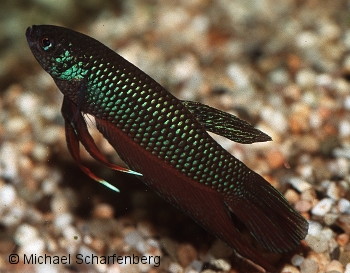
[(73, 147)]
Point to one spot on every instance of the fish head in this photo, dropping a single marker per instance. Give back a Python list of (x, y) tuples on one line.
[(58, 51)]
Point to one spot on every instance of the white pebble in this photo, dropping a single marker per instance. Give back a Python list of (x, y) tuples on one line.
[(299, 184), (347, 268), (184, 68), (333, 191), (306, 39), (7, 196), (28, 104), (8, 160), (314, 228), (347, 103), (133, 238), (71, 234), (16, 125), (142, 246), (279, 76), (275, 119), (324, 80), (335, 266), (309, 266), (330, 218), (344, 128), (40, 152), (59, 204), (318, 244), (25, 233), (327, 233), (175, 268), (322, 207), (49, 186), (49, 267), (315, 120), (290, 269), (306, 78), (196, 265), (86, 251), (222, 264), (238, 75), (297, 260), (63, 220), (35, 246), (13, 216), (344, 206), (339, 166)]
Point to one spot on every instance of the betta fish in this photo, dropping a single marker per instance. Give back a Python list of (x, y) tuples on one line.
[(165, 142)]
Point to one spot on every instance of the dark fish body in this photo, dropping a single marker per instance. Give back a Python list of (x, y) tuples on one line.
[(166, 141)]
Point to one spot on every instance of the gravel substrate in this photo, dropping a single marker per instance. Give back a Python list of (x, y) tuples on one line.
[(284, 66)]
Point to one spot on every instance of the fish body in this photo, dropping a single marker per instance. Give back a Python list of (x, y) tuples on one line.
[(165, 141)]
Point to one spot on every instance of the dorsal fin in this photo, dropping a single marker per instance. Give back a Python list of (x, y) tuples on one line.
[(225, 124)]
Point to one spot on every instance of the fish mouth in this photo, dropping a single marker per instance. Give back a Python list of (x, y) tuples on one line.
[(30, 34)]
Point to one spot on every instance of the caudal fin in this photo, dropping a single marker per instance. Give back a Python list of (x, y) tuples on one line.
[(269, 217)]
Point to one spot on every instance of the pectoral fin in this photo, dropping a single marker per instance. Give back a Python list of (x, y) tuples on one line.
[(225, 124), (76, 131)]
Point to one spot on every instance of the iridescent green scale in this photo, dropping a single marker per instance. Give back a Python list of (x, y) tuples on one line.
[(160, 124)]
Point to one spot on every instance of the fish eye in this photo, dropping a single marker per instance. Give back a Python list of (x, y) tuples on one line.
[(46, 43)]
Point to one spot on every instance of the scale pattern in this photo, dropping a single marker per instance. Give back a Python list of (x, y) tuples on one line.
[(124, 95)]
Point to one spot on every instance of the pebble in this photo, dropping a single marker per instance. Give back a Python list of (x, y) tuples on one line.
[(343, 239), (333, 191), (309, 266), (62, 220), (297, 260), (330, 218), (16, 126), (274, 119), (275, 159), (315, 228), (135, 239), (146, 229), (196, 265), (318, 244), (306, 78), (303, 205), (8, 195), (175, 268), (343, 206), (335, 267), (59, 203), (309, 195), (34, 246), (8, 161), (28, 104), (322, 207), (292, 196), (299, 184), (347, 268), (290, 269), (298, 120), (49, 267), (103, 211), (25, 234), (222, 264), (186, 254)]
